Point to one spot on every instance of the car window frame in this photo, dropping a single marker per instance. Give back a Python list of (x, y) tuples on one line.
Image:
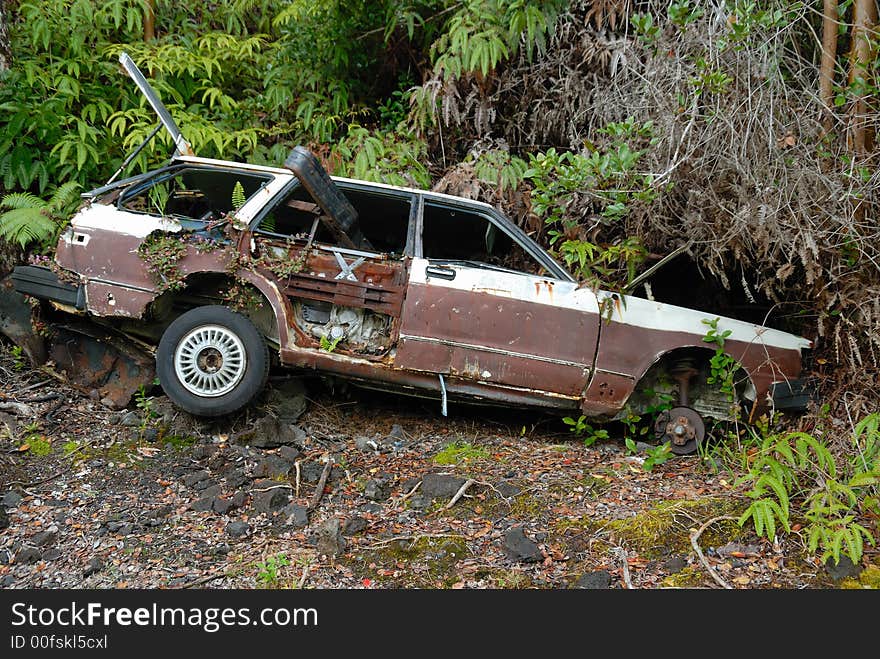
[(517, 235), (156, 177), (295, 183)]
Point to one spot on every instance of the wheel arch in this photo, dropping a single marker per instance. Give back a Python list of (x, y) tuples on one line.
[(658, 381), (245, 292)]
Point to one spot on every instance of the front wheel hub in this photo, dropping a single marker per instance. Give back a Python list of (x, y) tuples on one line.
[(682, 427)]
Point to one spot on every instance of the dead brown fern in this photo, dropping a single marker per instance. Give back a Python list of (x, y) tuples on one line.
[(745, 167)]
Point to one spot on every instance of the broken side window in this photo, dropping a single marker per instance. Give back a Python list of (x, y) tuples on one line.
[(456, 234), (193, 193), (382, 218)]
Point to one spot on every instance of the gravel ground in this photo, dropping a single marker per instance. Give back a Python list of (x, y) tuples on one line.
[(321, 488)]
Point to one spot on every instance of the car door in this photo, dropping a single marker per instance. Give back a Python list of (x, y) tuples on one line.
[(338, 254), (485, 304)]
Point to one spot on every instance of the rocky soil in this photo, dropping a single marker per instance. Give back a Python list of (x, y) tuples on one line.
[(316, 487)]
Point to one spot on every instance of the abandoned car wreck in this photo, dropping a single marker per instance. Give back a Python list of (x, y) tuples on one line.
[(223, 269)]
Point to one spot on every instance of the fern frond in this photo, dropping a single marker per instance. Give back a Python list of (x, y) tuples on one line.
[(64, 196), (22, 200), (238, 197), (784, 448), (781, 493), (25, 225)]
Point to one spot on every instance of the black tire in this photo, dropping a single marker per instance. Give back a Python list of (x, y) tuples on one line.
[(180, 359)]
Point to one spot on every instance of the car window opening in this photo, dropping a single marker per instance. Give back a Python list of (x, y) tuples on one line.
[(195, 194), (451, 234), (382, 219)]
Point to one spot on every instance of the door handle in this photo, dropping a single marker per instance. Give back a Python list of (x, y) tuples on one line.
[(439, 272)]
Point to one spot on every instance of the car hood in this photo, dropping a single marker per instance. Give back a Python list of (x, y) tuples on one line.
[(182, 146)]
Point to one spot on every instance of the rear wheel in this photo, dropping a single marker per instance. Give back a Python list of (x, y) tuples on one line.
[(212, 361)]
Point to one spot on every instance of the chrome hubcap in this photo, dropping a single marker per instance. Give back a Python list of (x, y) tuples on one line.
[(210, 361)]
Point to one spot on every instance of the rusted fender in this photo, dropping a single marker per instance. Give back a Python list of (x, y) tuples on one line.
[(97, 360), (92, 358), (15, 322)]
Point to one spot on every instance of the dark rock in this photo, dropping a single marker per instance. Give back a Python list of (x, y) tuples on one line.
[(219, 462), (45, 538), (508, 490), (310, 472), (163, 511), (272, 466), (354, 525), (289, 453), (598, 580), (28, 555), (205, 485), (236, 478), (288, 399), (7, 581), (126, 529), (270, 432), (297, 516), (203, 505), (11, 499), (521, 548), (419, 502), (845, 569), (56, 503), (190, 480), (52, 554), (164, 409), (441, 486), (674, 564), (221, 505), (243, 451), (5, 557), (150, 435), (375, 490), (363, 443), (130, 419), (371, 508), (269, 495), (211, 491), (4, 519), (114, 526), (410, 483), (94, 565), (238, 529), (330, 541), (203, 451), (222, 550), (238, 498)]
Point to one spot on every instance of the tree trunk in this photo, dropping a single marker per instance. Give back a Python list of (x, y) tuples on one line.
[(860, 56), (829, 58), (150, 21), (5, 50)]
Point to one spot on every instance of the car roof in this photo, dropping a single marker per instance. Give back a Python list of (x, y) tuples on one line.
[(440, 196)]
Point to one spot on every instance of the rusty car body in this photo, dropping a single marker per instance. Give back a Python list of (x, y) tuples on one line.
[(225, 268)]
